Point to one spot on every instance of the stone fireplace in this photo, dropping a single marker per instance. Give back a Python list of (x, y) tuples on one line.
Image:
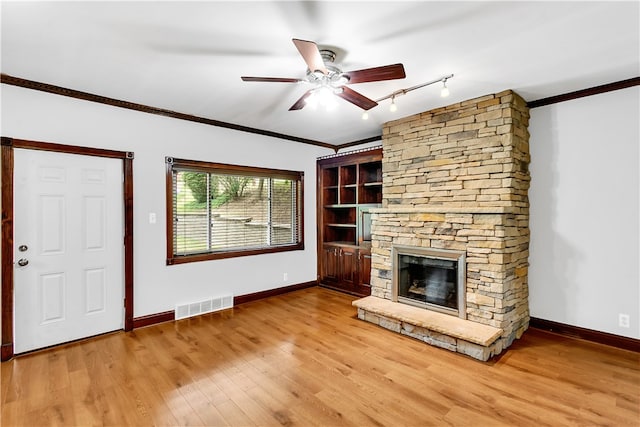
[(456, 179)]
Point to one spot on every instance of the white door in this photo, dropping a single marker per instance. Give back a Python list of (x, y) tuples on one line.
[(68, 247)]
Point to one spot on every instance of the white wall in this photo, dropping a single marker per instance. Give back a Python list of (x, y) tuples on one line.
[(28, 114), (584, 196)]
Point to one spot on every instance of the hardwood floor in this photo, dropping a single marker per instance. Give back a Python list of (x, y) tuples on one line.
[(304, 359)]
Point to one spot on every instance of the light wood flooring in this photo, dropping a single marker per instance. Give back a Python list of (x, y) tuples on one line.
[(304, 359)]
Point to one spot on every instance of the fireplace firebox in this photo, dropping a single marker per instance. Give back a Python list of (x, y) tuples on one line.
[(434, 279)]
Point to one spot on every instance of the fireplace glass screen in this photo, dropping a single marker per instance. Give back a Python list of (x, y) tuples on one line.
[(429, 278)]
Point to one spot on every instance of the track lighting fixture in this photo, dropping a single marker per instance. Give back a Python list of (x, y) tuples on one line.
[(393, 107)]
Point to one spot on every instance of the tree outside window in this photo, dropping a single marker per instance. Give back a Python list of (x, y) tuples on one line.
[(219, 211)]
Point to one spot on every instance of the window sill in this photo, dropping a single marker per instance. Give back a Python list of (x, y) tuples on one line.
[(183, 259)]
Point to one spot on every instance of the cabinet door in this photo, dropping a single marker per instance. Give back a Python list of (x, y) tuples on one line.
[(329, 272), (363, 285), (348, 267)]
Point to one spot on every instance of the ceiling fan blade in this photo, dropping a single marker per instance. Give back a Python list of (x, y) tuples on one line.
[(376, 74), (300, 103), (311, 54), (270, 79), (356, 98)]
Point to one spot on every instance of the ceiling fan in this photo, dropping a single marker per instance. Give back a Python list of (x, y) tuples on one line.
[(329, 80)]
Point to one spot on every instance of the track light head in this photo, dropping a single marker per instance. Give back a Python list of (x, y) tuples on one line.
[(444, 92), (393, 107)]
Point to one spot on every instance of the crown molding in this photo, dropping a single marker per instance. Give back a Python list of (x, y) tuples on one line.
[(609, 87), (86, 96)]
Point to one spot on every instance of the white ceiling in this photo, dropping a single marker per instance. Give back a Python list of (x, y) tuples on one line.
[(188, 56)]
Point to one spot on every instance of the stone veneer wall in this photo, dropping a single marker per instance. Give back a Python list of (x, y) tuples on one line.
[(457, 178)]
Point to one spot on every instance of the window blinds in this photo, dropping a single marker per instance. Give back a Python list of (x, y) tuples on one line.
[(218, 212)]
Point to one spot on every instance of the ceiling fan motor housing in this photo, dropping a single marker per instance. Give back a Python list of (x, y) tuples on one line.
[(328, 56), (334, 78)]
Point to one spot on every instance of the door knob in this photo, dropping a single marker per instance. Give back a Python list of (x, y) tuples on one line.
[(22, 262), (23, 248)]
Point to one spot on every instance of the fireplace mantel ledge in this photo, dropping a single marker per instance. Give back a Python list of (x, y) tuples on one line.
[(449, 209), (445, 324)]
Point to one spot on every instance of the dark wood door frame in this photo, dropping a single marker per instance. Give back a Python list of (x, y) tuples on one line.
[(7, 160)]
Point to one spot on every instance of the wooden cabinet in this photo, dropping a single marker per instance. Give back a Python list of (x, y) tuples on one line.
[(329, 264), (348, 186), (346, 267), (363, 284)]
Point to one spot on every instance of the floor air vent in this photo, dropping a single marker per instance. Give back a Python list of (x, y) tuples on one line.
[(201, 307)]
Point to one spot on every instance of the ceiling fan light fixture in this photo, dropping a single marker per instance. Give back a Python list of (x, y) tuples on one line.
[(342, 80), (323, 97), (365, 115)]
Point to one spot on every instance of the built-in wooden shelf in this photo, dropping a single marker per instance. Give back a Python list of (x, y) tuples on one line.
[(348, 186)]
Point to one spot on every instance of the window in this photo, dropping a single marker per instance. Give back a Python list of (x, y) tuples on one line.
[(221, 211)]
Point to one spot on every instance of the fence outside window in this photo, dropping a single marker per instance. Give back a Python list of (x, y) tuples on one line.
[(219, 211)]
